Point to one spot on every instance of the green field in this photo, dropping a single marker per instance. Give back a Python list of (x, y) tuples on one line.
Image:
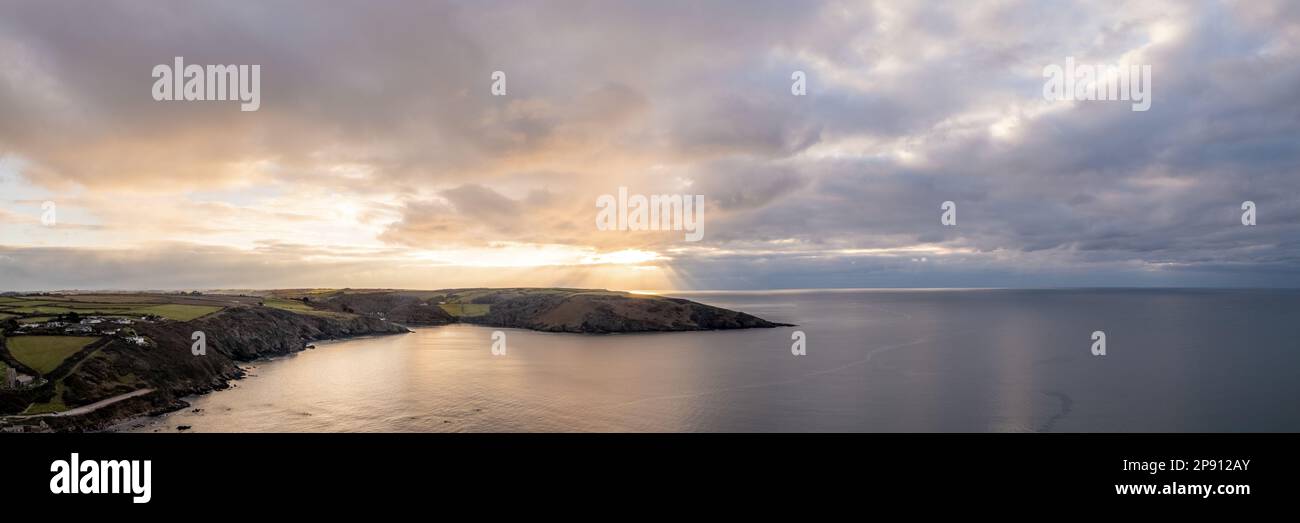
[(300, 307), (177, 312), (288, 305), (39, 309), (54, 405), (460, 310), (45, 353), (110, 306)]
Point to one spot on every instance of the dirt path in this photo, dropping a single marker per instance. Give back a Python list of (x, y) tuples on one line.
[(89, 408), (101, 403)]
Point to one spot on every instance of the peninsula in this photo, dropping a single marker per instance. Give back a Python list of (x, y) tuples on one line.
[(72, 361)]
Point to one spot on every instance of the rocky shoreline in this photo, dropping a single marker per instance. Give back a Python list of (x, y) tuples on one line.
[(233, 337), (101, 383)]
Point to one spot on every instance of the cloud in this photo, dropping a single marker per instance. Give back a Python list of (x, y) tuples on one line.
[(378, 131)]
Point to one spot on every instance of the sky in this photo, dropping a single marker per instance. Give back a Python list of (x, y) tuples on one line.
[(381, 157)]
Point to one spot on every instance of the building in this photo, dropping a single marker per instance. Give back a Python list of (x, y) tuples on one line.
[(11, 378)]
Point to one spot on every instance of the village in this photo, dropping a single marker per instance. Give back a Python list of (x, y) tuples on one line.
[(73, 324)]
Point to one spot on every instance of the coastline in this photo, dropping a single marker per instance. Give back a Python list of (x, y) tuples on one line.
[(135, 405), (177, 360), (183, 402)]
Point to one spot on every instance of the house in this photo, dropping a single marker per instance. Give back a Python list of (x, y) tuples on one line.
[(78, 329), (138, 340), (122, 321), (11, 378)]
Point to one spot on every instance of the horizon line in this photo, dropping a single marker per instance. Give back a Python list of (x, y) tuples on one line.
[(655, 291)]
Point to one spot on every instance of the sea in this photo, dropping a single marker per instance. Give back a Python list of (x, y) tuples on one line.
[(857, 360)]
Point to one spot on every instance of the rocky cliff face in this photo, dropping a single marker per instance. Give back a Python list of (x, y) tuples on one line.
[(609, 312), (167, 364), (406, 309), (544, 309)]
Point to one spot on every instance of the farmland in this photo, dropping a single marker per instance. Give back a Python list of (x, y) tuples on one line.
[(110, 305), (45, 353), (465, 310), (299, 307)]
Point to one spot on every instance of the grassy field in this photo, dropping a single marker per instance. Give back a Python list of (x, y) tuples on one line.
[(463, 310), (300, 308), (298, 294), (45, 353), (177, 312), (288, 305), (54, 405), (104, 306)]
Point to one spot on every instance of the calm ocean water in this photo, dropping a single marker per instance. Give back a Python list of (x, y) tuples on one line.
[(877, 360)]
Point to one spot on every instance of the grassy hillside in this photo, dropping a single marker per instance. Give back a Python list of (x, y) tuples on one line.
[(544, 309), (45, 353)]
